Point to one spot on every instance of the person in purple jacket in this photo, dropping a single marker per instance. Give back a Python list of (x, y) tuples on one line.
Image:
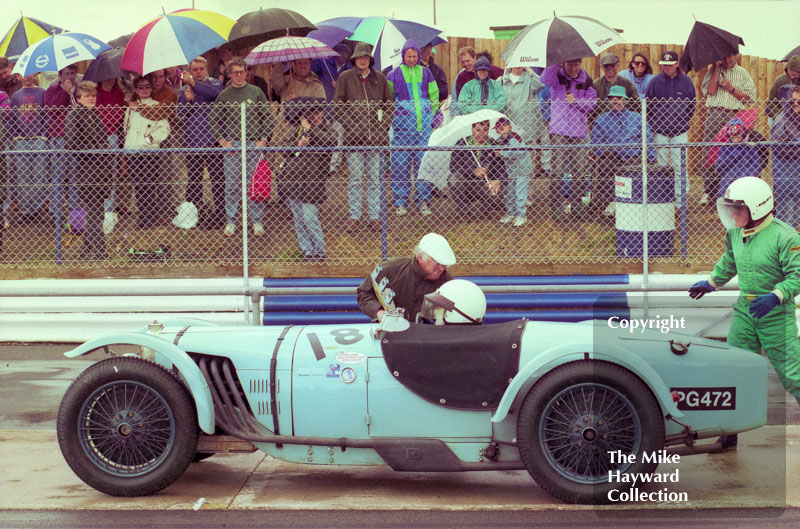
[(194, 105), (572, 100)]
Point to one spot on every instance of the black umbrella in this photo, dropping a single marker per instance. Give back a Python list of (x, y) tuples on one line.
[(708, 44), (120, 42), (105, 66), (257, 26), (791, 54)]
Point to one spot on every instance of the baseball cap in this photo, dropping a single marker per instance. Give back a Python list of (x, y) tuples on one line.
[(438, 249), (608, 58), (668, 57)]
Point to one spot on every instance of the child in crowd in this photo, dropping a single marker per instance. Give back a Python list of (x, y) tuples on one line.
[(84, 131), (519, 168)]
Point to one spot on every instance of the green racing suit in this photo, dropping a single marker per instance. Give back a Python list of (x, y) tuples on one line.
[(767, 260)]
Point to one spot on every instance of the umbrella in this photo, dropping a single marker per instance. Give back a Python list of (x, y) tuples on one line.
[(386, 35), (558, 39), (105, 66), (23, 33), (57, 51), (257, 26), (121, 41), (708, 44), (329, 35), (285, 49), (435, 165), (175, 38), (791, 54)]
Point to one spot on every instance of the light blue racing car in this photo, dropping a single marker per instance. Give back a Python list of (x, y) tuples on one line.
[(556, 399)]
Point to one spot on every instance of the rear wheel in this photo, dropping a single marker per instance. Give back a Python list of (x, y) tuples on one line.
[(127, 427), (575, 417)]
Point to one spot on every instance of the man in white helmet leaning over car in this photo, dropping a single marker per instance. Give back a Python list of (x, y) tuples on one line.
[(403, 282), (456, 302), (765, 253)]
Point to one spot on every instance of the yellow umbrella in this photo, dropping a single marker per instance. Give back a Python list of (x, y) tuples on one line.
[(22, 34)]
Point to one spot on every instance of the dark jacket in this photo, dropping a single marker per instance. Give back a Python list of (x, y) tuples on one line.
[(84, 130), (440, 77), (463, 163), (407, 287), (364, 108), (786, 128), (304, 174), (670, 104), (773, 102)]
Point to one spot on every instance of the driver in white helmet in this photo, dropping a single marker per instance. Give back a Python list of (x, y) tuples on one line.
[(456, 302), (765, 253)]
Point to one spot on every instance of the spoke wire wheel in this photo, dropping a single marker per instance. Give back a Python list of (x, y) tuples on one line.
[(127, 427), (574, 416), (581, 425)]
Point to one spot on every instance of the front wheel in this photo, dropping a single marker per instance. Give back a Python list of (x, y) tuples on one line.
[(575, 417), (127, 427)]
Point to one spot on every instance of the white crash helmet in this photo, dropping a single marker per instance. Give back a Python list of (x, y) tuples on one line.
[(457, 301), (750, 192)]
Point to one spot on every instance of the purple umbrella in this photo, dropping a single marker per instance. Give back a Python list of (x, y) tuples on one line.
[(329, 35)]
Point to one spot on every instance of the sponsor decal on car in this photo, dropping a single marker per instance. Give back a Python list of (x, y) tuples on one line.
[(350, 358)]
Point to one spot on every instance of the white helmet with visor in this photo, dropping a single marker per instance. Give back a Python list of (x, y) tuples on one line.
[(748, 195)]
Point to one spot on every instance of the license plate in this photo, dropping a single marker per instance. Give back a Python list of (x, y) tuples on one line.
[(706, 399)]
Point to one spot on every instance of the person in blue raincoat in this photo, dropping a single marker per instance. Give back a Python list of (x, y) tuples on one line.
[(416, 99)]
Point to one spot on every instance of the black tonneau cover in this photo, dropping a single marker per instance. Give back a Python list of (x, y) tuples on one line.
[(456, 366)]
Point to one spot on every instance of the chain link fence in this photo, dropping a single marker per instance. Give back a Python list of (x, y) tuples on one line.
[(354, 183)]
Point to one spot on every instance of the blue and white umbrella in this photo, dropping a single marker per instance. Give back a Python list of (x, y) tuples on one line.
[(386, 36), (58, 51)]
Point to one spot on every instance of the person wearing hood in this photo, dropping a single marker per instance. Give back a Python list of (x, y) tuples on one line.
[(786, 159), (469, 58), (670, 107), (363, 104), (790, 77), (739, 157), (639, 72), (416, 99), (572, 99), (482, 92)]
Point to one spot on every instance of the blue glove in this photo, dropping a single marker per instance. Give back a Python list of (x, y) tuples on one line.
[(700, 289), (762, 305)]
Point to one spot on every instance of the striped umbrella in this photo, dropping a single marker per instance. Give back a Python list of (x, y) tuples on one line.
[(285, 49), (558, 39), (58, 51), (23, 33), (386, 35), (175, 38)]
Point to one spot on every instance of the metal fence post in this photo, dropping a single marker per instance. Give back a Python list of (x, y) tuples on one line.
[(245, 256), (645, 249)]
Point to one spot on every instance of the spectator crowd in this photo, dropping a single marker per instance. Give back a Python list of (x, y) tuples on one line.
[(312, 118)]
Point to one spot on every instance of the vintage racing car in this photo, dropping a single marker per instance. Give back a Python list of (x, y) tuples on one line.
[(556, 399)]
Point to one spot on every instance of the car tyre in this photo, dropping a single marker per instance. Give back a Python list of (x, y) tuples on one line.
[(127, 427), (574, 415)]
